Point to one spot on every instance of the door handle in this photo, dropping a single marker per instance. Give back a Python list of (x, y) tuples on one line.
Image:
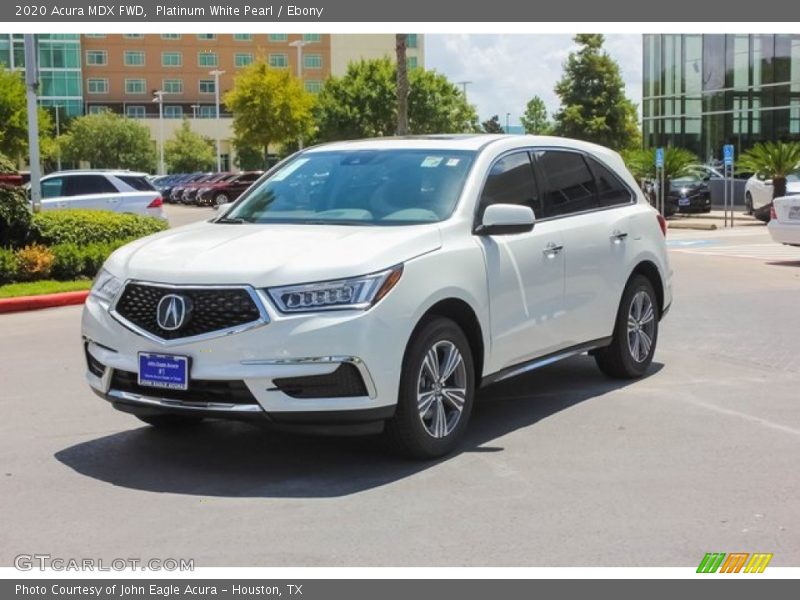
[(618, 236), (113, 200), (551, 249)]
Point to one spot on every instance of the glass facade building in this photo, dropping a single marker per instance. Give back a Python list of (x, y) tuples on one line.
[(60, 76), (703, 91)]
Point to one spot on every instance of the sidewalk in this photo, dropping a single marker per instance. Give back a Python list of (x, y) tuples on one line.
[(711, 220)]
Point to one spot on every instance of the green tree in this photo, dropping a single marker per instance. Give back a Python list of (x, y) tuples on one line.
[(14, 119), (270, 106), (363, 103), (535, 120), (107, 140), (189, 151), (493, 125), (772, 160), (593, 102)]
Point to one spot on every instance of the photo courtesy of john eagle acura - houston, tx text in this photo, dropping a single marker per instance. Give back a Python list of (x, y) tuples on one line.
[(375, 285)]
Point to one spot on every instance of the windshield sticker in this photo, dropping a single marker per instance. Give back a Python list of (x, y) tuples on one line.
[(289, 169), (431, 162), (452, 162)]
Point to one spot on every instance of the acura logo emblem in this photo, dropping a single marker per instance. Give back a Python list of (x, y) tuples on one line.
[(173, 311)]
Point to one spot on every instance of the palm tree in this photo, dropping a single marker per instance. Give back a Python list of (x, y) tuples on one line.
[(678, 162), (401, 43), (772, 160)]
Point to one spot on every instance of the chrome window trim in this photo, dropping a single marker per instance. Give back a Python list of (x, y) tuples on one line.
[(258, 300), (359, 364)]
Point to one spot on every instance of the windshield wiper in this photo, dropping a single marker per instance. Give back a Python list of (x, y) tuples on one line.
[(232, 220)]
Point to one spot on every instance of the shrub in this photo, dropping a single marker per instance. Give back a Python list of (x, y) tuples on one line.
[(9, 266), (69, 261), (15, 217), (35, 262), (83, 227)]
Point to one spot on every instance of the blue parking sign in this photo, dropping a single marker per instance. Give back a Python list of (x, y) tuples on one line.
[(659, 158), (727, 154)]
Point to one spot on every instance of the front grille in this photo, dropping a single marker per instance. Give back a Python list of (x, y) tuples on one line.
[(213, 309), (344, 382), (201, 391)]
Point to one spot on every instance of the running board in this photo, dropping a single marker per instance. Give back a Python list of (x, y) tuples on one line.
[(543, 361)]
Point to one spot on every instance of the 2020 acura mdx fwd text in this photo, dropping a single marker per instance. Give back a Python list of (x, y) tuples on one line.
[(378, 283)]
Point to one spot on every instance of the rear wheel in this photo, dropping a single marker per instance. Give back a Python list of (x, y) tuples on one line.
[(748, 203), (437, 387), (635, 333), (169, 421)]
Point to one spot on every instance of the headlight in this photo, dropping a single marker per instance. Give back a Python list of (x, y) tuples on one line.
[(358, 293), (105, 287)]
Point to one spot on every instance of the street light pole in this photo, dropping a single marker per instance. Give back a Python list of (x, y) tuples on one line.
[(31, 85), (299, 45), (216, 73), (464, 85), (159, 97), (508, 116), (58, 134)]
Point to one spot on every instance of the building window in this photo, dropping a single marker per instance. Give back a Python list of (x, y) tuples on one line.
[(207, 59), (242, 59), (206, 86), (95, 36), (242, 37), (312, 61), (314, 87), (279, 61), (411, 62), (58, 55), (172, 86), (206, 36), (173, 111), (135, 111), (171, 59), (133, 36), (411, 40), (312, 37), (134, 58), (170, 36), (278, 37), (96, 58), (135, 86), (96, 109), (207, 111), (97, 86)]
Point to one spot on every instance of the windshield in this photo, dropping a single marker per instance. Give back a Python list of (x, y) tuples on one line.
[(362, 187), (793, 177)]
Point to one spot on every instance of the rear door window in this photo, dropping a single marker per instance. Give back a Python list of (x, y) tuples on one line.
[(81, 185), (569, 186), (610, 189)]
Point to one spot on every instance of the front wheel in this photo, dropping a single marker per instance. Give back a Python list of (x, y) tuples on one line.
[(635, 333), (220, 199), (437, 388), (748, 204)]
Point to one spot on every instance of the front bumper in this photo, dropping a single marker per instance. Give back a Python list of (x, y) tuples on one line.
[(283, 348)]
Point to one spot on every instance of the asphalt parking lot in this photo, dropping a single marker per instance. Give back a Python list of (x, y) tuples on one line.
[(562, 467)]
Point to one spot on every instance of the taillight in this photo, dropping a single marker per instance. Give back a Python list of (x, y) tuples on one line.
[(772, 213), (662, 222), (157, 203)]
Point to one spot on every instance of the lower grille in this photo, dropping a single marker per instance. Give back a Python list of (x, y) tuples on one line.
[(345, 381), (200, 391)]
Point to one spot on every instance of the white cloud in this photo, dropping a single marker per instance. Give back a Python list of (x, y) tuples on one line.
[(508, 70)]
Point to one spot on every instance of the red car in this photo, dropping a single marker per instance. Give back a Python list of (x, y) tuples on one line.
[(226, 190)]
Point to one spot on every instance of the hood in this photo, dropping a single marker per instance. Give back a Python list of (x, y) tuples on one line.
[(269, 254)]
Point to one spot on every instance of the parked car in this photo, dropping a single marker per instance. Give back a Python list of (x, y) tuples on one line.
[(168, 182), (176, 193), (758, 193), (190, 191), (784, 223), (690, 193), (378, 284), (227, 190), (117, 191)]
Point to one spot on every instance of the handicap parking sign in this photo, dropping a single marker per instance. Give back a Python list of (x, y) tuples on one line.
[(727, 154), (659, 158)]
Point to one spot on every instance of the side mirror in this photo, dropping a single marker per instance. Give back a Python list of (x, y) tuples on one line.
[(501, 219), (221, 208)]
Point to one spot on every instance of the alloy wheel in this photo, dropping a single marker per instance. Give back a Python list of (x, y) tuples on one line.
[(641, 326), (441, 389)]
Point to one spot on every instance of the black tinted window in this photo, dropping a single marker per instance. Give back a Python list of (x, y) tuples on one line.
[(568, 185), (610, 190), (140, 184), (79, 185), (511, 181)]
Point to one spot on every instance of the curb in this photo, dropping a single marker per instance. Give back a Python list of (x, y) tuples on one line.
[(696, 226), (22, 303)]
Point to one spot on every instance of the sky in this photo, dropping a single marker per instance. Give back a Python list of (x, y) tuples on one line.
[(508, 70)]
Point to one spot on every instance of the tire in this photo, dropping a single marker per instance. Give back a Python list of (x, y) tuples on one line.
[(625, 357), (169, 421), (220, 199), (438, 430), (748, 204)]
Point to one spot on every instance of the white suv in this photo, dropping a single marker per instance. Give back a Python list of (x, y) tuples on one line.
[(377, 284)]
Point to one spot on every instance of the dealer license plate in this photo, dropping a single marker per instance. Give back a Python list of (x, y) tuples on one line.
[(164, 371)]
